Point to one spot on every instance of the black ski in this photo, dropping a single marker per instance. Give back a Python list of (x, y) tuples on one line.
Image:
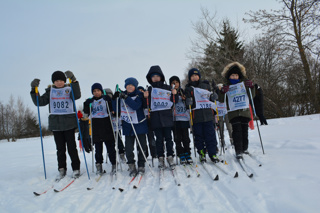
[(213, 177)]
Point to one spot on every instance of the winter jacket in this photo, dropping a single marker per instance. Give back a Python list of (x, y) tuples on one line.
[(59, 122), (242, 78), (163, 118), (199, 115), (137, 104), (101, 127)]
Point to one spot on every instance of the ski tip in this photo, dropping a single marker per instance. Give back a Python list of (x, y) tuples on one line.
[(55, 190), (216, 178), (251, 175), (236, 175), (113, 188), (121, 190), (179, 184), (260, 165), (36, 194), (135, 187), (198, 175), (89, 188), (160, 188), (188, 176)]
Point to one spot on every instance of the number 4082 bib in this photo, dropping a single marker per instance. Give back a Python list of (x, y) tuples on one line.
[(60, 101)]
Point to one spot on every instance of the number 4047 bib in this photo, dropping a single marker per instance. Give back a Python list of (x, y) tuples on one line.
[(237, 97)]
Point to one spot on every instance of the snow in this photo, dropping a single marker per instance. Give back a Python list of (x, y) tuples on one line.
[(288, 180)]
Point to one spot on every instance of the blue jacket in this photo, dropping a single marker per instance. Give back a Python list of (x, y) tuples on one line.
[(137, 104)]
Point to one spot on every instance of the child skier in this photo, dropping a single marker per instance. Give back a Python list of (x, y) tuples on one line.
[(62, 118), (101, 126), (200, 98), (237, 87), (160, 98), (150, 135), (181, 123), (132, 115)]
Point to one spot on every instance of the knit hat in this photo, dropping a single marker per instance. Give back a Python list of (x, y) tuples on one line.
[(58, 75), (193, 71), (174, 78), (96, 86), (234, 70), (141, 87), (132, 81)]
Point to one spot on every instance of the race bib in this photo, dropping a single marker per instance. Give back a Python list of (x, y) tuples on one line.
[(130, 114), (237, 97), (202, 97), (99, 109), (222, 108), (181, 111), (160, 99), (60, 101)]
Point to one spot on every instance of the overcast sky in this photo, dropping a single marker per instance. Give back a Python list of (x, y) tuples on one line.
[(103, 41)]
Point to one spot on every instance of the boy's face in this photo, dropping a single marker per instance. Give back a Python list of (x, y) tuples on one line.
[(97, 93), (176, 84), (234, 76), (155, 78), (130, 88), (59, 83), (195, 77)]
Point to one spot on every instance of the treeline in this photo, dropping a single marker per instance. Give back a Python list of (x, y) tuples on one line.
[(284, 60), (18, 121)]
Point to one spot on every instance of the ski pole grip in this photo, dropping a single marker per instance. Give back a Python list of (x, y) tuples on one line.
[(36, 90)]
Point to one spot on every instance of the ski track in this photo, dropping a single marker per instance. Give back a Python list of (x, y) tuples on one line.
[(284, 183)]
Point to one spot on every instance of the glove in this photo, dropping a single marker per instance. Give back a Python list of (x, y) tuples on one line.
[(189, 101), (116, 95), (35, 83), (225, 89), (213, 97), (70, 75), (248, 83), (123, 95)]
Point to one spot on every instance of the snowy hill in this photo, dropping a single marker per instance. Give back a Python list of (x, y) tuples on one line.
[(288, 180)]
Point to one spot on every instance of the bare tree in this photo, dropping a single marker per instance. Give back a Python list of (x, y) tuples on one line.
[(299, 23)]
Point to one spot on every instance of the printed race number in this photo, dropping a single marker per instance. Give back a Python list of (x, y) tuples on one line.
[(238, 99), (61, 105)]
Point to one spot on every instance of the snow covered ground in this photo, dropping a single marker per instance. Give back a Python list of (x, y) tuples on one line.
[(288, 180)]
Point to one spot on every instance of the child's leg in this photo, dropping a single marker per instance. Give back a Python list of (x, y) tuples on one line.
[(129, 141), (159, 141), (198, 136), (99, 151), (143, 143), (61, 149), (72, 149), (185, 140), (177, 133), (111, 151), (120, 145), (244, 128), (152, 143), (237, 134), (169, 142), (210, 137)]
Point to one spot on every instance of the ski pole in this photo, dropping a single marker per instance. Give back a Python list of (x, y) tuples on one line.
[(75, 108), (254, 110), (44, 164), (92, 145), (174, 120), (135, 133), (117, 131)]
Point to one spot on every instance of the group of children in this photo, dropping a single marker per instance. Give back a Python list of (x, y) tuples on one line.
[(160, 109)]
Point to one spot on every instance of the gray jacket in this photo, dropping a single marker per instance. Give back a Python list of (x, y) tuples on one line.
[(59, 122)]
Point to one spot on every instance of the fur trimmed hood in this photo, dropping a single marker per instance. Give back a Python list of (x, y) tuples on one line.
[(232, 65)]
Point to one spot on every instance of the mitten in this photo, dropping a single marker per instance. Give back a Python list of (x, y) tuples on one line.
[(70, 75), (35, 83)]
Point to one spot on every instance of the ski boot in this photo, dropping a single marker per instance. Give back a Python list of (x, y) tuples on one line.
[(62, 174), (113, 169), (170, 162), (141, 170), (239, 156), (188, 158), (161, 163), (214, 159), (99, 169), (202, 156), (123, 158), (246, 152), (76, 174), (183, 159), (132, 170)]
